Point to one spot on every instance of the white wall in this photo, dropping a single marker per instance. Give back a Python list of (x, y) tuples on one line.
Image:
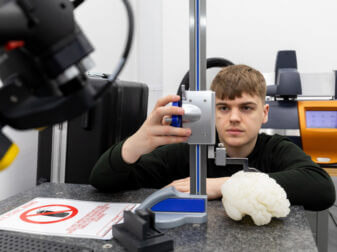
[(105, 24), (21, 174), (149, 47), (251, 32), (175, 43)]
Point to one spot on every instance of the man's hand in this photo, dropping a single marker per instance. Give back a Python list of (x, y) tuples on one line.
[(213, 186), (155, 131)]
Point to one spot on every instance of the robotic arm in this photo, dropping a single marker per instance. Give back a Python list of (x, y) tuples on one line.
[(44, 57)]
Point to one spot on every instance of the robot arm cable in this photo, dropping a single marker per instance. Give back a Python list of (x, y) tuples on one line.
[(113, 76)]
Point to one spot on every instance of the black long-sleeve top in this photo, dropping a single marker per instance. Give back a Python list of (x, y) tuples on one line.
[(304, 181)]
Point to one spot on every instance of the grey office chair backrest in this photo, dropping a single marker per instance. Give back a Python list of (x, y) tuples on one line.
[(287, 78), (283, 112)]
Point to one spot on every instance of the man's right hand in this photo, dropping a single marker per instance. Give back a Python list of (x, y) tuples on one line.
[(155, 131)]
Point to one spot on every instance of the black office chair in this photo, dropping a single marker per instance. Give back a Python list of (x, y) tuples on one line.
[(283, 111), (210, 63)]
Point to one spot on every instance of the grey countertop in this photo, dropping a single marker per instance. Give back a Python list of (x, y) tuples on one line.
[(220, 233)]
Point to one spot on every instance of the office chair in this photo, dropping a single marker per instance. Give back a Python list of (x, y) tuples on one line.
[(282, 102), (210, 63)]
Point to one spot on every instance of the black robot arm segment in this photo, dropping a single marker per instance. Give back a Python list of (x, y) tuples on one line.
[(43, 23), (12, 21), (44, 57)]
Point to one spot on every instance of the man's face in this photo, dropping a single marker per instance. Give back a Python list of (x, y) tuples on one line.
[(238, 121)]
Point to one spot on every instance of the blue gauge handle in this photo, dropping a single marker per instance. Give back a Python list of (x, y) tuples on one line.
[(176, 119)]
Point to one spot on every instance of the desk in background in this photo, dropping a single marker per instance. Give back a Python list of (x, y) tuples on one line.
[(219, 234)]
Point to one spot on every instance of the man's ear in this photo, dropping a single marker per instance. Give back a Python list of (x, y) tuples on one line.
[(265, 113)]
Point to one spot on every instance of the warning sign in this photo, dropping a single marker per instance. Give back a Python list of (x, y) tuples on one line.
[(65, 217), (49, 214)]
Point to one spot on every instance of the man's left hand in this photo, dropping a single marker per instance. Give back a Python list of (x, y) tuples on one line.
[(213, 186)]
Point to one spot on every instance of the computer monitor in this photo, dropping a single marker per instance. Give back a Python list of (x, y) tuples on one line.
[(321, 119), (318, 127)]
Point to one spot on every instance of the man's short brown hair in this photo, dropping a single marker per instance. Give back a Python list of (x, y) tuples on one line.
[(234, 80)]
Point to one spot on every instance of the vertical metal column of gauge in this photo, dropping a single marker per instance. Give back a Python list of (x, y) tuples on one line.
[(59, 153), (198, 169), (171, 207)]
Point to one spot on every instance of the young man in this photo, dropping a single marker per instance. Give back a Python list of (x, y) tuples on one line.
[(155, 156)]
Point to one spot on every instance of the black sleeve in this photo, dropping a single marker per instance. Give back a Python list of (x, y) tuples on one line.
[(303, 180), (153, 170)]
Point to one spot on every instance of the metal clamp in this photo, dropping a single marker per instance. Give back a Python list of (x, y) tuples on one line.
[(221, 158)]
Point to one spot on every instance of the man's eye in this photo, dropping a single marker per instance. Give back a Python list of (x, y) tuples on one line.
[(247, 108), (223, 108)]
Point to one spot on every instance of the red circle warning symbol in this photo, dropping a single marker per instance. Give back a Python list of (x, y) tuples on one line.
[(49, 214)]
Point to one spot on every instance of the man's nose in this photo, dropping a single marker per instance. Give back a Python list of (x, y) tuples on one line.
[(234, 115)]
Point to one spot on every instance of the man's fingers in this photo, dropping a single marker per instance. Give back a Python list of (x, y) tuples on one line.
[(182, 188), (166, 120), (182, 185), (180, 181), (166, 100), (166, 130), (162, 112), (162, 135), (163, 140), (185, 182)]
